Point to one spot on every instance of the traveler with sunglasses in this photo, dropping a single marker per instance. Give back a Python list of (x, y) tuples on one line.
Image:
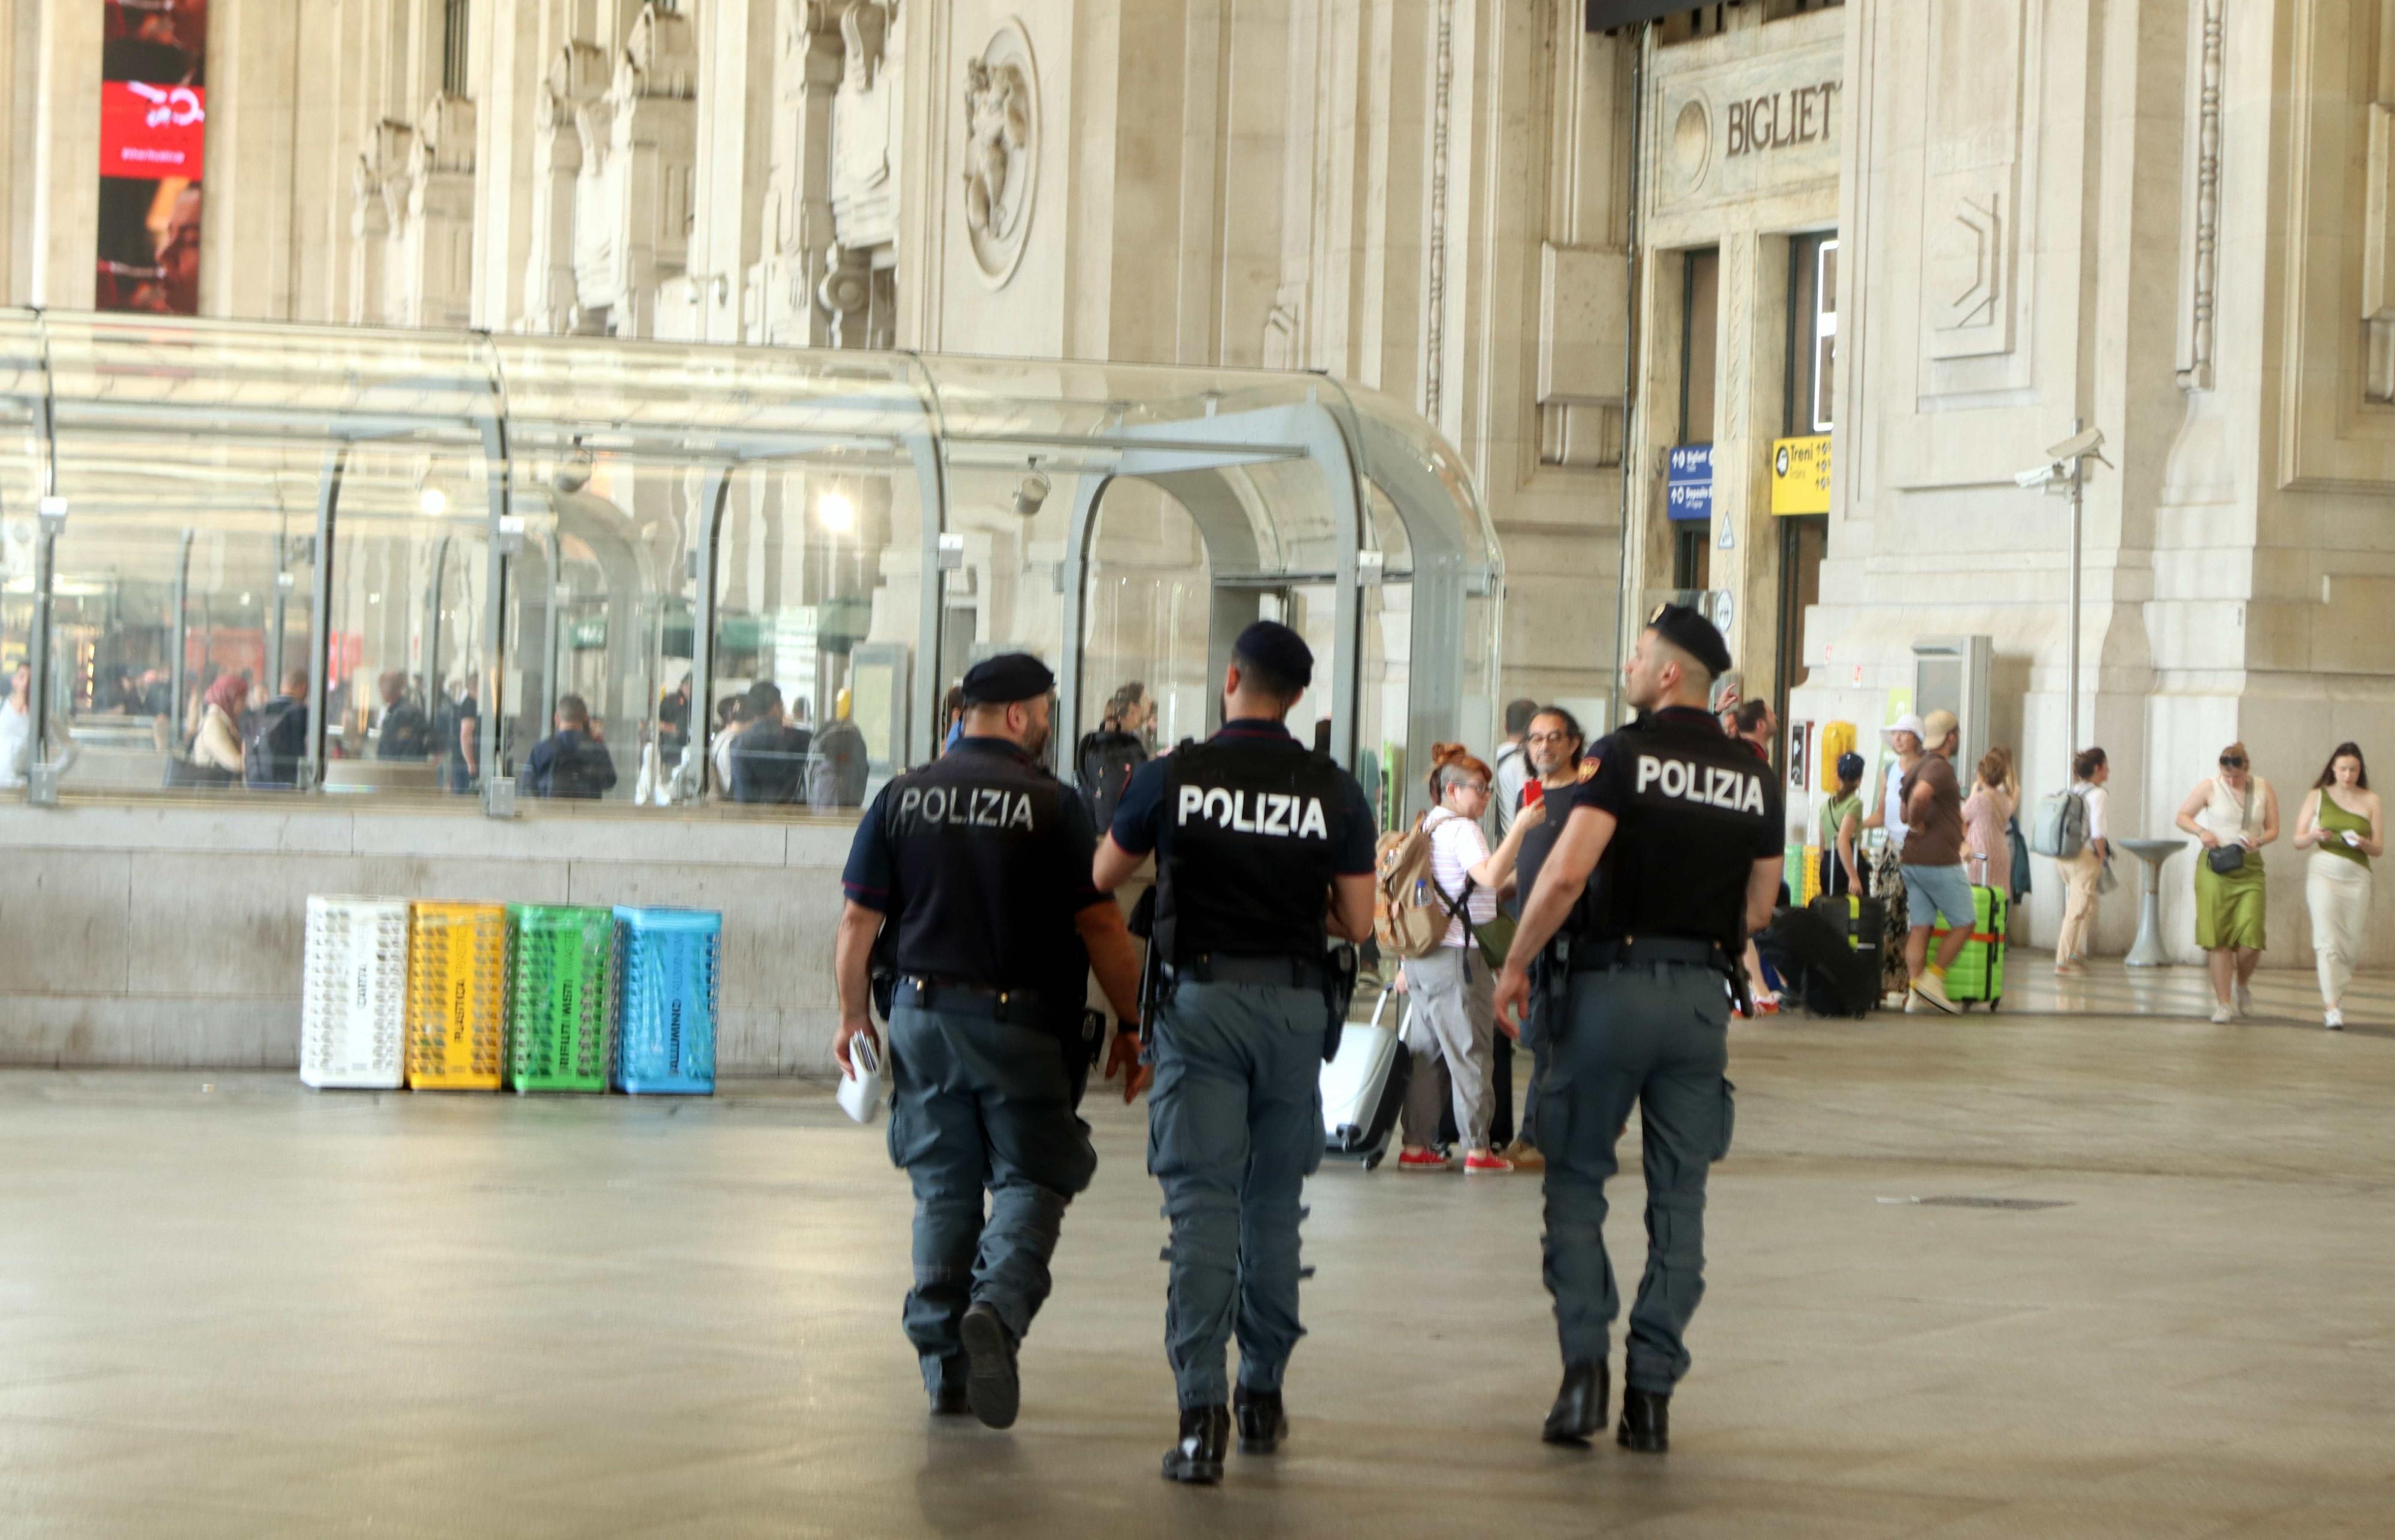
[(2234, 814)]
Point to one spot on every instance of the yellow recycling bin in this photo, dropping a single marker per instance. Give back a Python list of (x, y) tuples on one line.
[(456, 996)]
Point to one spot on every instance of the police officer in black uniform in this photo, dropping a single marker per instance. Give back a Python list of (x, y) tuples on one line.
[(1262, 846), (979, 864), (1680, 826)]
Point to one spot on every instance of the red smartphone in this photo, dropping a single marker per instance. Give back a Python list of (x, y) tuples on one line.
[(1534, 791)]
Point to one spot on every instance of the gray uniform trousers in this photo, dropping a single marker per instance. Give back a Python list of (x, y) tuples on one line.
[(1235, 1127), (1654, 1037), (981, 1105)]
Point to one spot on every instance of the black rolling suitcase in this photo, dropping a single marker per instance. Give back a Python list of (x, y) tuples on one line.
[(1838, 938)]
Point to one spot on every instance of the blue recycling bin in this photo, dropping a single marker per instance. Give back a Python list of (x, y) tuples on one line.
[(666, 967)]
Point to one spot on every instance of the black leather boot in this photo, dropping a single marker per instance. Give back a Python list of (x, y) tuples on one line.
[(991, 1384), (948, 1389), (1646, 1421), (1198, 1459), (1578, 1411), (1264, 1422)]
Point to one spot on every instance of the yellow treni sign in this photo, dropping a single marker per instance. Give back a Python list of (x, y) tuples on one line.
[(1800, 475)]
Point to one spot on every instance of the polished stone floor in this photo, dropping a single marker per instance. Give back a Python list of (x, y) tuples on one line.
[(233, 1307)]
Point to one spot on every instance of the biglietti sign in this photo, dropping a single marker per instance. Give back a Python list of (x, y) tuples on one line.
[(1756, 125)]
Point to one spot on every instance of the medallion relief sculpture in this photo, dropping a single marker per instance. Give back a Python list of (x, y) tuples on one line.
[(1001, 150)]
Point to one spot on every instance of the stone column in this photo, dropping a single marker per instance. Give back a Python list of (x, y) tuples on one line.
[(247, 242), (438, 241), (63, 171), (796, 240), (1750, 398), (16, 56), (508, 107)]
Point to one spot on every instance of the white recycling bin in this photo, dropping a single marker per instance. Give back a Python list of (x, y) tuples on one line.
[(353, 1018)]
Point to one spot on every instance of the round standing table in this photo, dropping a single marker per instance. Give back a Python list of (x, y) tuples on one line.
[(2148, 950)]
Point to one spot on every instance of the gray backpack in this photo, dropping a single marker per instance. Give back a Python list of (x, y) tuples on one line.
[(2061, 829)]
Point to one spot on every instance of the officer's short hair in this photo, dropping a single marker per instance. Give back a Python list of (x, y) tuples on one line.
[(1265, 680), (1517, 716), (573, 709), (763, 697), (1692, 636)]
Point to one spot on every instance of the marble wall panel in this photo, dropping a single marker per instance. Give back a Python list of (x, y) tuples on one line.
[(63, 922)]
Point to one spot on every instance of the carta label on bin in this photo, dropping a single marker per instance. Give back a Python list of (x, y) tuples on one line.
[(673, 1037)]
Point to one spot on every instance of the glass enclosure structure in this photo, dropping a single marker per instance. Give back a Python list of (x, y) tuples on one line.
[(249, 560)]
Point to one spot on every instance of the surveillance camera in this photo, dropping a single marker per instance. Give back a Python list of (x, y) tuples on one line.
[(1030, 495), (2038, 477), (572, 473), (2078, 444)]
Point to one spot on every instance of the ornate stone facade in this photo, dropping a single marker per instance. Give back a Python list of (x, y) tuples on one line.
[(2169, 218)]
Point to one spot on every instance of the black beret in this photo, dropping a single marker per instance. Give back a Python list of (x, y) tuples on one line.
[(1007, 678), (1692, 634), (1278, 648)]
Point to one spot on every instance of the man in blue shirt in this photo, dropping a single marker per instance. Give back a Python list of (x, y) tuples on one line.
[(1264, 849)]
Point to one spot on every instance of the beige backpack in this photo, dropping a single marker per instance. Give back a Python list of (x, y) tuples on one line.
[(1410, 914)]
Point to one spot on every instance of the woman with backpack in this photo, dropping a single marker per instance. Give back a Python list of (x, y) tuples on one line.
[(1452, 990), (2083, 872), (1105, 761)]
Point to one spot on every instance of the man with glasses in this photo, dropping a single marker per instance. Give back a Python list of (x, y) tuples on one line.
[(1555, 742)]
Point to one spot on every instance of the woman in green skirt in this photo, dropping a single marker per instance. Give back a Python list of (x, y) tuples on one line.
[(2234, 814)]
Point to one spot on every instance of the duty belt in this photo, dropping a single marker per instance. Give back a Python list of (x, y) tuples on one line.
[(1014, 1008), (1293, 972), (1636, 951)]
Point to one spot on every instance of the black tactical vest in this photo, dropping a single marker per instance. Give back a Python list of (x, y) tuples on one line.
[(1244, 852)]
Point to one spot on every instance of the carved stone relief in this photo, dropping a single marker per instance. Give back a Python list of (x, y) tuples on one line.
[(578, 77), (412, 220), (632, 196), (1970, 186), (865, 124), (376, 196), (2378, 257), (2200, 276), (435, 231), (829, 273), (1001, 155)]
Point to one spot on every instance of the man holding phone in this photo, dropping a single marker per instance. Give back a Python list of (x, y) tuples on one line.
[(1555, 742)]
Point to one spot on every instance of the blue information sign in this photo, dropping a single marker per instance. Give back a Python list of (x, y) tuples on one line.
[(1688, 482)]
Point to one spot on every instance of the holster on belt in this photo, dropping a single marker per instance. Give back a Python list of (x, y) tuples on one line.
[(1339, 966), (1599, 956)]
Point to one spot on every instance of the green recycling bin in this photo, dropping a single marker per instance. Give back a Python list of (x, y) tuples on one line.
[(561, 997)]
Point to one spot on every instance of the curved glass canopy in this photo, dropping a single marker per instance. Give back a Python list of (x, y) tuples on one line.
[(434, 549)]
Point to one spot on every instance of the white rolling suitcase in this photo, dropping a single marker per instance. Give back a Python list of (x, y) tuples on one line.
[(1363, 1088), (354, 1015)]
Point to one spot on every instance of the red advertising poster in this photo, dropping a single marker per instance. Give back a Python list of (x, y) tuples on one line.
[(153, 118)]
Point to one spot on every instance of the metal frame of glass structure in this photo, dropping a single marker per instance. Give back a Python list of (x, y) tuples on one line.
[(840, 516)]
